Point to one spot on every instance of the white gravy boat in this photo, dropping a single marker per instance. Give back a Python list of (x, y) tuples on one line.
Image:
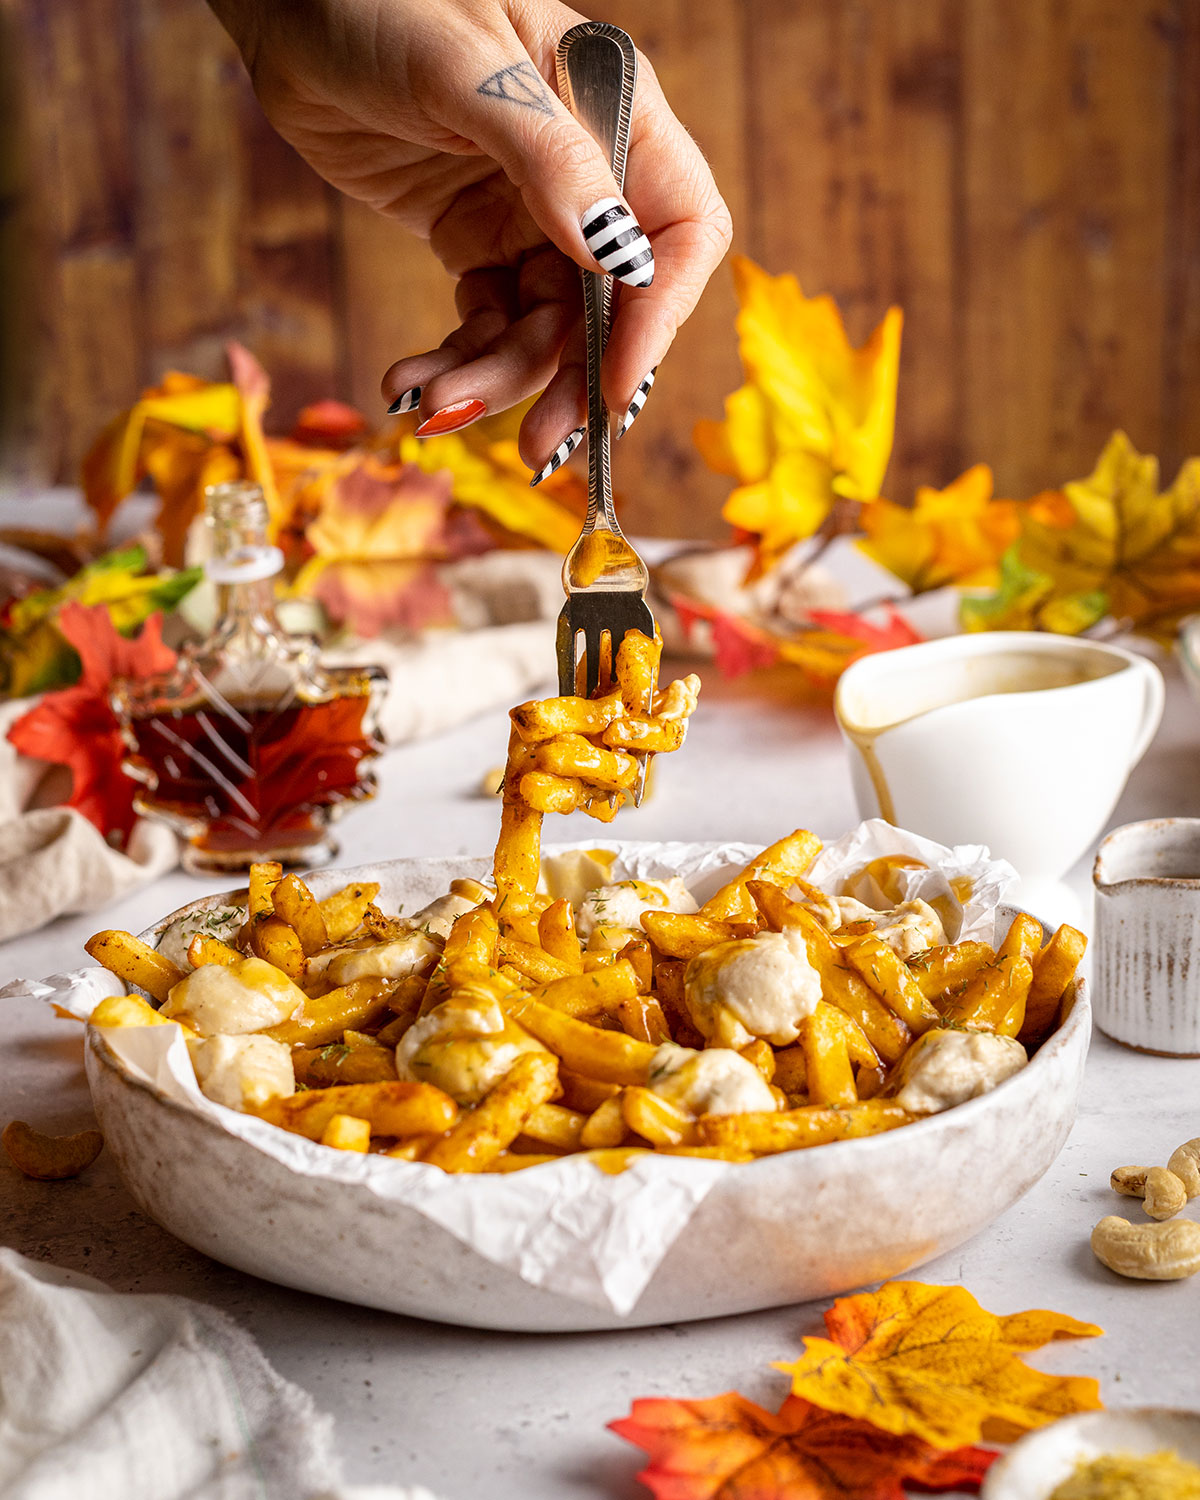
[(1013, 739)]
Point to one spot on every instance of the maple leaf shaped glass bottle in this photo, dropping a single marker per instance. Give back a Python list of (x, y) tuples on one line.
[(249, 747)]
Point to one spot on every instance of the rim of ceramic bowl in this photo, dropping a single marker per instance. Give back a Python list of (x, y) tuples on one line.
[(984, 643), (1100, 878), (1188, 636), (1005, 1474), (1077, 1019)]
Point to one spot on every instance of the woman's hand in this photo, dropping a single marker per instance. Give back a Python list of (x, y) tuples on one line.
[(438, 113)]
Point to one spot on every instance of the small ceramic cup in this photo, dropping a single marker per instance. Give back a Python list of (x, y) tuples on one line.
[(1015, 739), (1147, 954)]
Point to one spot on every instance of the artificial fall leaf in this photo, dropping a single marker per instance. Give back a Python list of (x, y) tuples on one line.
[(814, 421), (837, 638), (929, 1361), (727, 1448), (329, 424), (75, 727), (1113, 533), (1025, 600), (956, 535)]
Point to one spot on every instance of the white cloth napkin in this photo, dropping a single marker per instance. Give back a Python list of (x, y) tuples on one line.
[(108, 1396)]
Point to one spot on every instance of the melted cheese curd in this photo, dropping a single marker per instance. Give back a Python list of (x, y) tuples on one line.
[(618, 908), (717, 1081), (945, 1068), (464, 1046), (908, 929), (762, 986)]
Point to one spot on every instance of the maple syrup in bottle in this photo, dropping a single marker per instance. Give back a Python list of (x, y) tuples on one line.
[(248, 747)]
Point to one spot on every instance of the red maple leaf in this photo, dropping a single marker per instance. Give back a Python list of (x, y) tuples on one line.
[(738, 646), (727, 1448), (896, 632), (76, 727)]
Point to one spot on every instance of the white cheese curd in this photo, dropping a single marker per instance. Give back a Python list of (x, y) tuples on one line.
[(249, 995), (223, 922), (945, 1068), (395, 960), (570, 876), (622, 904), (438, 917), (908, 928), (464, 1046), (717, 1081), (242, 1072), (762, 986)]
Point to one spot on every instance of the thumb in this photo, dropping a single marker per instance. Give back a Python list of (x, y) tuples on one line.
[(562, 174)]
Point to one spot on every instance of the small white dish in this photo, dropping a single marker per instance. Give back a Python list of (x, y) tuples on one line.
[(1041, 1460), (780, 1230), (1146, 880), (1015, 739)]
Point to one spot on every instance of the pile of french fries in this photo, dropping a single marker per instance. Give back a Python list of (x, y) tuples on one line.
[(593, 1020)]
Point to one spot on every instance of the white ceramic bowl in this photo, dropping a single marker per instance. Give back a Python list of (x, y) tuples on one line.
[(784, 1229), (1034, 1467)]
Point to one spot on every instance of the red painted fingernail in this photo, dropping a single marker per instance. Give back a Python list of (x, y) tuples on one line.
[(451, 418)]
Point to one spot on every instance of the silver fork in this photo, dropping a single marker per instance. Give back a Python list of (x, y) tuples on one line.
[(604, 579)]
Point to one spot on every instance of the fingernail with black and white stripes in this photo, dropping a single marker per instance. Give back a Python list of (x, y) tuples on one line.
[(635, 406), (560, 455), (405, 401), (618, 242)]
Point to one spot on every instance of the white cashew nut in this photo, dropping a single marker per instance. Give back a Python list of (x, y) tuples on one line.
[(1148, 1252), (1185, 1163), (1165, 1194), (1131, 1181)]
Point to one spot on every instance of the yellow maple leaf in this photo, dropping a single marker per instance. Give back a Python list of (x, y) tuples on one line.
[(1114, 533), (928, 1360), (956, 535), (492, 479), (813, 424)]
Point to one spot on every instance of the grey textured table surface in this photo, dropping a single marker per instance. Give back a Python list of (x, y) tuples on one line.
[(521, 1417)]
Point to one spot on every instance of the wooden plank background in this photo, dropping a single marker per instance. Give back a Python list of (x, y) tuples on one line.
[(1022, 176)]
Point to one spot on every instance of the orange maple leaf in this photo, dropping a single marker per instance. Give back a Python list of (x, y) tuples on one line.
[(956, 535), (928, 1361), (727, 1448), (75, 727)]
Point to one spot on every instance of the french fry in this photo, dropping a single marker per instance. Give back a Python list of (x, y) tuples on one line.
[(517, 861), (473, 938), (264, 877), (571, 755), (712, 1153), (827, 1058), (605, 1127), (779, 863), (656, 1119), (295, 904), (1023, 939), (996, 995), (545, 792), (347, 1133), (764, 1134), (683, 935), (531, 961), (870, 1081), (612, 1161), (790, 1073), (134, 962), (636, 669), (479, 1136), (637, 952), (892, 980), (555, 1125), (771, 902), (885, 1031), (641, 734), (762, 1055), (584, 1094), (610, 1056), (938, 971), (557, 935), (132, 1010), (345, 909), (411, 1149), (273, 940), (399, 1109), (338, 1063), (583, 995), (642, 1017), (322, 1019), (545, 718), (517, 1161), (210, 950), (1053, 970)]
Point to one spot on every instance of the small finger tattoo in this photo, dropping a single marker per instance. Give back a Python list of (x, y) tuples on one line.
[(519, 83)]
